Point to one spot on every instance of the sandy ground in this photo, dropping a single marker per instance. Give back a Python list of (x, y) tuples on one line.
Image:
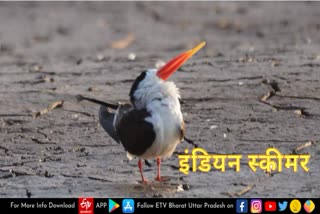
[(53, 51)]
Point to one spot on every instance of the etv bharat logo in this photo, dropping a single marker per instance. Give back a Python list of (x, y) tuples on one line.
[(85, 205)]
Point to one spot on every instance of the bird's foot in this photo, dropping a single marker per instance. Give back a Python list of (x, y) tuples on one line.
[(145, 181), (161, 178)]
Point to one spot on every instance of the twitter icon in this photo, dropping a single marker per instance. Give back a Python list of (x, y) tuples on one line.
[(282, 206)]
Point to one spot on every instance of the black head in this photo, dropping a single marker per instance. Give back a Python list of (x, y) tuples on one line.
[(135, 85)]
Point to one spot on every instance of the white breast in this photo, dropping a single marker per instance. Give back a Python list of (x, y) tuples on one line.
[(166, 118), (161, 99)]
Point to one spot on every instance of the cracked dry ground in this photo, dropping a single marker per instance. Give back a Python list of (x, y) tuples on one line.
[(255, 85)]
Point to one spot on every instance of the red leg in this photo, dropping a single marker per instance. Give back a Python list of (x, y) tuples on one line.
[(158, 178), (140, 168)]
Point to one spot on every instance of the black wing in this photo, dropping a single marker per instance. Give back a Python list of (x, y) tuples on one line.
[(135, 134), (106, 118)]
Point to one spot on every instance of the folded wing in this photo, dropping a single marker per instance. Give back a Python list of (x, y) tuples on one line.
[(106, 118), (135, 134)]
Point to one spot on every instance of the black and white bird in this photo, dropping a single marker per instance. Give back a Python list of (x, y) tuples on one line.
[(151, 125)]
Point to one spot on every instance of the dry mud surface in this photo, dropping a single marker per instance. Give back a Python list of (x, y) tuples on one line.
[(50, 52)]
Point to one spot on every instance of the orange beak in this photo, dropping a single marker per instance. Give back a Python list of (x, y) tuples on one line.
[(168, 69)]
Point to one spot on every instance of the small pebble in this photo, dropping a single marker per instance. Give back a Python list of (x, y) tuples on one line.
[(132, 56), (185, 186), (275, 62), (36, 68), (79, 61), (213, 127), (100, 57)]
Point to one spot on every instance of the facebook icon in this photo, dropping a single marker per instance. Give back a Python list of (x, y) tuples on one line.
[(242, 206)]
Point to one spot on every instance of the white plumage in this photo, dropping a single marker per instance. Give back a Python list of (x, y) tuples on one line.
[(161, 99)]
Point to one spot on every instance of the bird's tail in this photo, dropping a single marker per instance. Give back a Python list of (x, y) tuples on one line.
[(109, 105)]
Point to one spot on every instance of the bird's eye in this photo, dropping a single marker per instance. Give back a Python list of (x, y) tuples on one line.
[(158, 99)]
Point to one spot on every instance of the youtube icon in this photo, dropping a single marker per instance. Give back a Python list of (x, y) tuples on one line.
[(270, 206)]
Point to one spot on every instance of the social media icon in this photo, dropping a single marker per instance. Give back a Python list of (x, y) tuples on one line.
[(85, 206), (128, 206), (270, 206), (256, 206), (309, 206), (282, 206), (295, 206), (113, 205), (242, 206)]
